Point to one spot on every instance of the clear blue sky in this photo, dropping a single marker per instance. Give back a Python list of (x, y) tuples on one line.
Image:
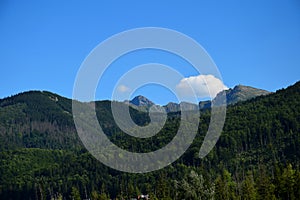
[(43, 43)]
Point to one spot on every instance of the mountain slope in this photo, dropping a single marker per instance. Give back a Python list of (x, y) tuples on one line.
[(40, 119), (265, 126), (37, 119)]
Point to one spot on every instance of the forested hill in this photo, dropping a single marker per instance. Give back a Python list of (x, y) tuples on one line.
[(41, 119), (256, 157), (37, 119)]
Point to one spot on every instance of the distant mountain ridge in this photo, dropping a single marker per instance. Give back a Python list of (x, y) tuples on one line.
[(243, 93), (237, 94), (39, 116), (39, 112)]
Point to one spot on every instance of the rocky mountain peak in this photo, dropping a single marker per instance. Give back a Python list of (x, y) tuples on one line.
[(141, 101)]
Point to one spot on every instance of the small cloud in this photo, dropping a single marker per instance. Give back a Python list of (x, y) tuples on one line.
[(202, 86), (123, 88)]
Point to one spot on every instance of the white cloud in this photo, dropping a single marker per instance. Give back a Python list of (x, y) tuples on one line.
[(123, 88), (203, 85)]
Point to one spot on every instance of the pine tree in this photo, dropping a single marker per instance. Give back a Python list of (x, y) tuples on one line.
[(248, 188), (75, 195)]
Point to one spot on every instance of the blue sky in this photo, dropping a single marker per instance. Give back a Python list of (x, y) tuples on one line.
[(43, 43)]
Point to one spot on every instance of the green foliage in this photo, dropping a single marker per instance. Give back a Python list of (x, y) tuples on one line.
[(248, 188), (225, 186), (256, 157), (194, 187), (75, 195)]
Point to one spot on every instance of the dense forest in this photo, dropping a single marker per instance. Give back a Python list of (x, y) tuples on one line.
[(256, 157)]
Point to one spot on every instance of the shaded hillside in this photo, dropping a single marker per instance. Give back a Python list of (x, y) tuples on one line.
[(41, 119), (266, 128), (37, 119)]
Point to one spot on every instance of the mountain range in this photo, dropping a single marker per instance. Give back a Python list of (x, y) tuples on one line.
[(237, 94), (38, 113), (256, 157)]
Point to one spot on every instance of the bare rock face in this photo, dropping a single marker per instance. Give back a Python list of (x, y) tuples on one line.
[(141, 101), (243, 93)]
